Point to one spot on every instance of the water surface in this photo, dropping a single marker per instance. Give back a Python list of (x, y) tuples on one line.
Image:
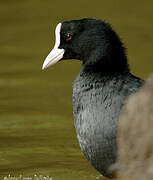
[(37, 134)]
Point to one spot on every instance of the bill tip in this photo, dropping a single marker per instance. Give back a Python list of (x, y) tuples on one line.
[(43, 67)]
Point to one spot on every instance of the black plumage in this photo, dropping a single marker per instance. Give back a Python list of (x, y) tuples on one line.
[(100, 89)]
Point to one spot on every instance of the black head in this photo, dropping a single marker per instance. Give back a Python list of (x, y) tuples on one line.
[(90, 40)]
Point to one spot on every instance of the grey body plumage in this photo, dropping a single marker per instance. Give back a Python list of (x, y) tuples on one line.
[(97, 104)]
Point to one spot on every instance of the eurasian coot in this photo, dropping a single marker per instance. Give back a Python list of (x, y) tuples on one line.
[(100, 89)]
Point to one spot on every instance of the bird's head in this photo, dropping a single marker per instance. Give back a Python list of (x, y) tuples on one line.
[(90, 40)]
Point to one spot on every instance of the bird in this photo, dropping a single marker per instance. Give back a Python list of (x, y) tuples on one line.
[(101, 87), (135, 145)]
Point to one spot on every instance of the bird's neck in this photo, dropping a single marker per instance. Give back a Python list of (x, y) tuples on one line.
[(106, 67), (107, 60)]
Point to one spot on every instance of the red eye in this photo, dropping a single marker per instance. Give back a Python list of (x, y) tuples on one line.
[(68, 36)]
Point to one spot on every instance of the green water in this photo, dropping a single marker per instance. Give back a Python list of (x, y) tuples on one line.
[(37, 134)]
